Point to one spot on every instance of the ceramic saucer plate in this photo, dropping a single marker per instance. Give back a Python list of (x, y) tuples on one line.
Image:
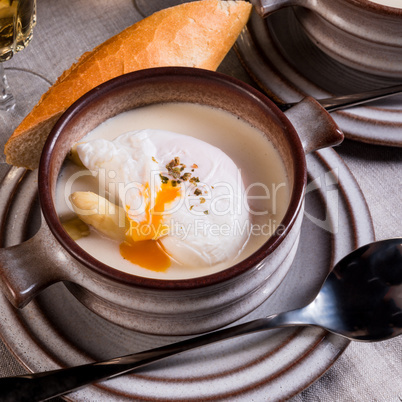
[(56, 331), (287, 66)]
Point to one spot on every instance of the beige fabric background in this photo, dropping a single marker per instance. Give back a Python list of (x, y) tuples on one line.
[(67, 28)]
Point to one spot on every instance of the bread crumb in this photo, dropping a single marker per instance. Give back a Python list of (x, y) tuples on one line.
[(225, 6)]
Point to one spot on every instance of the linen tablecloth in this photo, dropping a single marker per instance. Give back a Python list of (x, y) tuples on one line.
[(68, 28)]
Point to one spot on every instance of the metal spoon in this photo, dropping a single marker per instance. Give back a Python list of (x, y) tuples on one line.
[(361, 299), (345, 101)]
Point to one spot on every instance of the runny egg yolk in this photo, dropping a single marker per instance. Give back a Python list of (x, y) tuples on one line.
[(147, 254), (141, 246)]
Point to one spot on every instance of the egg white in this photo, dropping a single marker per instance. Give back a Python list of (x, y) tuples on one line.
[(202, 229)]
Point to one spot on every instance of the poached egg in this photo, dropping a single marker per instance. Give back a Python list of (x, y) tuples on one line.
[(184, 198)]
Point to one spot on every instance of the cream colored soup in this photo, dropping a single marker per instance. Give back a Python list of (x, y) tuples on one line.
[(389, 3), (262, 171)]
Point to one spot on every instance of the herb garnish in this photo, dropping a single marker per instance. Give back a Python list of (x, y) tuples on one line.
[(175, 171), (186, 176), (164, 179), (174, 162)]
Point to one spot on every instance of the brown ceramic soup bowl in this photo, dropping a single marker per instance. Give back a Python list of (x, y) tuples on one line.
[(361, 34), (158, 306)]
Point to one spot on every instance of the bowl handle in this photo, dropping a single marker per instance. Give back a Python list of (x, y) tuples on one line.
[(267, 7), (315, 126), (28, 268)]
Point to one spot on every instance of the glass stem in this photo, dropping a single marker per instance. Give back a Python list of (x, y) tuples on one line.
[(7, 100)]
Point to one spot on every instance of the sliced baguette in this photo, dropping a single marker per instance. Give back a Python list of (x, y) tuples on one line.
[(197, 34)]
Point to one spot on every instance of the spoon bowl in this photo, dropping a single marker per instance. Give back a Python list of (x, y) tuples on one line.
[(361, 299)]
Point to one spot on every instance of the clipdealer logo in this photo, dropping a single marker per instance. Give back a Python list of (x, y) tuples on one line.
[(328, 187), (327, 184), (222, 198)]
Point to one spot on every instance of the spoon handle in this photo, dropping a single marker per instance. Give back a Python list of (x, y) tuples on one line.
[(345, 101), (43, 386)]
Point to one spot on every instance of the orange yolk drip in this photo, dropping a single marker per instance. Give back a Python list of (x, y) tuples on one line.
[(147, 254), (141, 246)]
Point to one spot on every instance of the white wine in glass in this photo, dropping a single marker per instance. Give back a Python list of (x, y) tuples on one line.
[(17, 19)]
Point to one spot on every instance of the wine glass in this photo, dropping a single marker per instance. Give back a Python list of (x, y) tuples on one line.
[(17, 19), (148, 7)]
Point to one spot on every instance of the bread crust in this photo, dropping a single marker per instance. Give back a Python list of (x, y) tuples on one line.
[(197, 34)]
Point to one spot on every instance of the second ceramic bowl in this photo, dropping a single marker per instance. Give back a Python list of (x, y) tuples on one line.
[(361, 34)]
